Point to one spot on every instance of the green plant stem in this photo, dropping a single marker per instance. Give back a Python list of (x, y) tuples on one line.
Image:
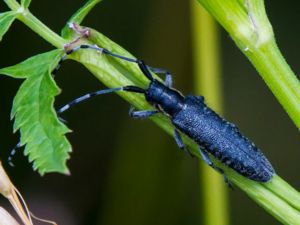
[(36, 25), (279, 77), (112, 72), (12, 4), (247, 23), (207, 82)]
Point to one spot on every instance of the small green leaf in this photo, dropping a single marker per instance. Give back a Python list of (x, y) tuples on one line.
[(6, 20), (25, 3), (41, 131), (78, 17)]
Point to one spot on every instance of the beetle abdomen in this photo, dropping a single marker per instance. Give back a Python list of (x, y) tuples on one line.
[(222, 139)]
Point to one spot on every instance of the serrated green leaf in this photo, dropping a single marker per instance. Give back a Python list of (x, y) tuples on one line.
[(78, 17), (35, 117), (6, 19), (25, 3)]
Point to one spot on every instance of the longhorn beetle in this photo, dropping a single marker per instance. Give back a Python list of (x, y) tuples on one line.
[(190, 115)]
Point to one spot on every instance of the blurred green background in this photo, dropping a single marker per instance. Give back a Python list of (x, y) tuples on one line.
[(130, 172)]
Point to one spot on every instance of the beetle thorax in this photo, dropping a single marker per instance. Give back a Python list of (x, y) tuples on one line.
[(164, 98)]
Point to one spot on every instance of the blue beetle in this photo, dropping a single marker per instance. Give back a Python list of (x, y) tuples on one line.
[(191, 116)]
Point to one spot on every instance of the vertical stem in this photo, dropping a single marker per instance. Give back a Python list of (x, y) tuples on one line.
[(249, 27), (207, 82), (279, 77)]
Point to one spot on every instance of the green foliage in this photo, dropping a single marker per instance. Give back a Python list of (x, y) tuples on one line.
[(41, 131), (78, 17), (6, 19), (25, 3)]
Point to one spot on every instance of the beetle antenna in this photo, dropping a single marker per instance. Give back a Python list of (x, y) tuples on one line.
[(143, 67), (87, 96)]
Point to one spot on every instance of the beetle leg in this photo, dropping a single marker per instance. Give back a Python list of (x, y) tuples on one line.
[(178, 140), (206, 158), (141, 114), (168, 78), (180, 143)]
